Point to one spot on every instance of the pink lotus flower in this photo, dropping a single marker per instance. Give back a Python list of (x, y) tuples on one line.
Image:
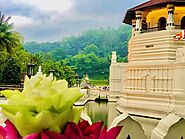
[(72, 131), (95, 130), (2, 133), (9, 131)]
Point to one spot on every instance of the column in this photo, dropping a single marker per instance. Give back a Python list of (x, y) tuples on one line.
[(138, 22), (136, 77), (140, 79), (125, 76), (165, 79), (171, 81), (129, 79), (157, 80), (168, 80), (160, 80), (170, 22), (133, 27)]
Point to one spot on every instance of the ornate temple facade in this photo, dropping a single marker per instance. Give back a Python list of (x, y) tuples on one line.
[(151, 86)]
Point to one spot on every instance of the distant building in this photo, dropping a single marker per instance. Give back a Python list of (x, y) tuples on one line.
[(152, 84), (85, 83)]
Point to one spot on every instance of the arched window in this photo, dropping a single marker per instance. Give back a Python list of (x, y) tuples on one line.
[(183, 23), (162, 23), (144, 25)]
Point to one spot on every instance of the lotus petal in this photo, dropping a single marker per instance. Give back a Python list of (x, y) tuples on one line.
[(72, 131), (32, 136), (2, 133), (93, 129), (54, 135), (12, 133), (113, 132)]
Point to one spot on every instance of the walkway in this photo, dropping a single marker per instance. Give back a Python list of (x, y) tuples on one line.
[(92, 95)]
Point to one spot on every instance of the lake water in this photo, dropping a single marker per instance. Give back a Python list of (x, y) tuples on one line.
[(101, 111)]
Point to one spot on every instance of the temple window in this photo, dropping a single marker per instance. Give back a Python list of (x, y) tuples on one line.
[(183, 23), (144, 25), (162, 23)]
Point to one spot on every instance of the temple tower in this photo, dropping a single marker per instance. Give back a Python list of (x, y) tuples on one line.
[(153, 81)]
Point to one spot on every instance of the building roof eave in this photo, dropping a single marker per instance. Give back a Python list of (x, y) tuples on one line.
[(128, 17), (148, 5)]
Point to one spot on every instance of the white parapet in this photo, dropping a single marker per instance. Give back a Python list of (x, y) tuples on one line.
[(116, 80)]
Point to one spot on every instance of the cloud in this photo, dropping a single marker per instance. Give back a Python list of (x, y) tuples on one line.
[(12, 8), (97, 7), (46, 20), (50, 5), (24, 20)]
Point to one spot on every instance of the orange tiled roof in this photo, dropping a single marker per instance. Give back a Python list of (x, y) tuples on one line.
[(147, 5)]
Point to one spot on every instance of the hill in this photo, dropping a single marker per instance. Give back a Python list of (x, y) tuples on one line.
[(89, 52)]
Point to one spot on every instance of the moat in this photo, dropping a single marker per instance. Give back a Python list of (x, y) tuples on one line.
[(101, 111)]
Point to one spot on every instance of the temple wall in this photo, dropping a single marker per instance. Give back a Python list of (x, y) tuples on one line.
[(153, 16), (151, 79), (153, 48), (179, 14), (116, 77)]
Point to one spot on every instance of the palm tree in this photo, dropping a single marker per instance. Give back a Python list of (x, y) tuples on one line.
[(9, 39)]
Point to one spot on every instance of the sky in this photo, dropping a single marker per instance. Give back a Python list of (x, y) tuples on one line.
[(53, 20)]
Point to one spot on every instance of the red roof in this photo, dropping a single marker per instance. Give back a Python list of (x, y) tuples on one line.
[(148, 5)]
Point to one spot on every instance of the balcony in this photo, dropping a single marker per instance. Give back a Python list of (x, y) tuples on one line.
[(160, 28)]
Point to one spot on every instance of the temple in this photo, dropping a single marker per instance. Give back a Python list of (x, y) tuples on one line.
[(151, 86)]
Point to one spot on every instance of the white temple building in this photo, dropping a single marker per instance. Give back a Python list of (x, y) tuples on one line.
[(150, 88)]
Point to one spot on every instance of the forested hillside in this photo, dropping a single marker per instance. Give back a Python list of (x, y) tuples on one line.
[(89, 52)]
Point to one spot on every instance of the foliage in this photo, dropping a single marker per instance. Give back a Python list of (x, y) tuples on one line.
[(8, 39), (60, 71), (13, 57), (99, 82), (11, 72), (20, 57), (13, 61), (84, 62), (3, 60), (89, 52), (23, 58)]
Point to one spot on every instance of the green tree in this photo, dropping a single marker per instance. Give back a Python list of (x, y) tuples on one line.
[(60, 71), (38, 58), (91, 48), (58, 54), (9, 39), (22, 57), (3, 60), (89, 52), (83, 63), (12, 52), (11, 72)]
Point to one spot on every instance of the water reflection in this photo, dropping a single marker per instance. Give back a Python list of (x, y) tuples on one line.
[(101, 111)]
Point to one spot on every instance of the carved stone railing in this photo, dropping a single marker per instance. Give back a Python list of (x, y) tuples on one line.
[(152, 29)]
